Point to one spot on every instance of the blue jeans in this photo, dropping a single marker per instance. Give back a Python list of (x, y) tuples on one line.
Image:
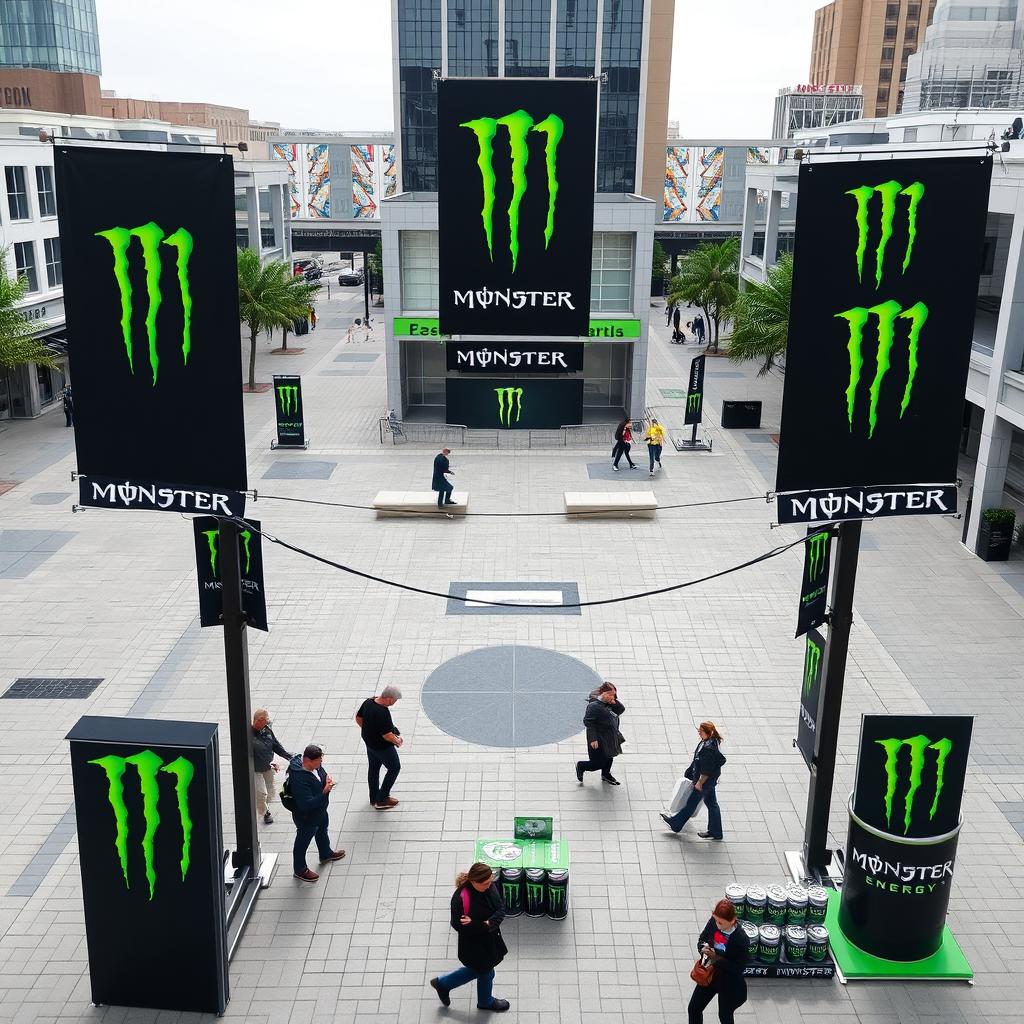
[(386, 758), (444, 494), (654, 451), (304, 835), (463, 976), (707, 794)]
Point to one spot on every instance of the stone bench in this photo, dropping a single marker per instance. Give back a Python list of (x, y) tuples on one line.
[(406, 504), (611, 504)]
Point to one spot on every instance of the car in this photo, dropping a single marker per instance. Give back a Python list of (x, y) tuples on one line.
[(350, 277), (313, 273)]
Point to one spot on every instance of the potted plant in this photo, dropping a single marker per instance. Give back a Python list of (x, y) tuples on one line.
[(995, 534)]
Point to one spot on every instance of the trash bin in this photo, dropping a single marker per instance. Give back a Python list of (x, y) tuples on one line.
[(535, 878), (512, 890), (558, 894)]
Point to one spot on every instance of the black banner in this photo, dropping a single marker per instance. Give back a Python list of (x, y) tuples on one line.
[(147, 806), (150, 292), (695, 392), (814, 582), (880, 335), (291, 428), (250, 554), (810, 694), (516, 205), (507, 357), (514, 404)]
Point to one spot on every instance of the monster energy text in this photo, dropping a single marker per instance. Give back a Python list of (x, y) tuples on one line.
[(905, 879), (509, 400), (918, 747), (151, 236), (130, 495), (147, 764)]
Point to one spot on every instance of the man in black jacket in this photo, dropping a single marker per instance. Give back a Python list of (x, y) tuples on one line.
[(264, 747), (310, 787), (440, 483)]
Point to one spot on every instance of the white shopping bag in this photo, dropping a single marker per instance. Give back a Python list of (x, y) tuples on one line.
[(680, 795)]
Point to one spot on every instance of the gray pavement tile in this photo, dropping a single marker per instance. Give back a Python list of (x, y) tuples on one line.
[(304, 469), (50, 497)]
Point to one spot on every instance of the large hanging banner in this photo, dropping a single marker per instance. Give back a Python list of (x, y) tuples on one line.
[(695, 392), (291, 426), (517, 404), (250, 554), (814, 582), (904, 826), (880, 336), (151, 297), (810, 694), (507, 357), (147, 804), (516, 205)]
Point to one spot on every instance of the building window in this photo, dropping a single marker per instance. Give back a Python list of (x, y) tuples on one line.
[(888, 52), (527, 24), (425, 369), (611, 275), (575, 38), (892, 11), (885, 74), (419, 55), (622, 35), (25, 264), (17, 195), (418, 268), (473, 38), (44, 187), (889, 32), (54, 272)]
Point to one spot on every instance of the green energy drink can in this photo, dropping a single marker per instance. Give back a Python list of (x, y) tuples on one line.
[(817, 942), (558, 894), (512, 890), (535, 892), (751, 931), (777, 904), (817, 904), (768, 938), (755, 903), (736, 894), (796, 943), (796, 905)]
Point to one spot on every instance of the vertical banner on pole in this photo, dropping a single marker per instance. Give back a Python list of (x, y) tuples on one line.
[(150, 288), (880, 336), (147, 806), (810, 694), (814, 582), (695, 392), (291, 427), (208, 571)]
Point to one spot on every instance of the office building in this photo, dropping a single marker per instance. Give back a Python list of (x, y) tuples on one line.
[(971, 57), (50, 35), (868, 42), (816, 106)]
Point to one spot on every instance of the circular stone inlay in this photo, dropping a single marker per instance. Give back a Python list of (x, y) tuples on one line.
[(510, 696)]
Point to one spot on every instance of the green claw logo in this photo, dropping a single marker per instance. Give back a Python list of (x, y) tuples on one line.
[(147, 764), (917, 746), (509, 399), (817, 544), (211, 539), (535, 894), (889, 191), (518, 124), (556, 900), (510, 893), (693, 401), (812, 661), (151, 237), (288, 399)]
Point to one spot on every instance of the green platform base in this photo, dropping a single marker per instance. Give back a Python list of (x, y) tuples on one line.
[(853, 964)]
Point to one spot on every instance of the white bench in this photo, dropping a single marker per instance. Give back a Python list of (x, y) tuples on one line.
[(409, 503), (611, 504)]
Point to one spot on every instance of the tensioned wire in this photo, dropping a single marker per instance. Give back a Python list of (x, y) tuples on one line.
[(671, 588)]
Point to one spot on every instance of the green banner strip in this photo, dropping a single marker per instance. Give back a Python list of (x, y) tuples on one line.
[(428, 327)]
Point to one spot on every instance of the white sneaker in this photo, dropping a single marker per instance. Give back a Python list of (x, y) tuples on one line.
[(616, 468), (652, 472)]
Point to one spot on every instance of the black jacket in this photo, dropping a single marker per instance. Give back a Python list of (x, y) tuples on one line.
[(729, 965), (481, 946), (602, 723), (310, 798), (441, 466), (264, 747), (619, 431), (707, 760)]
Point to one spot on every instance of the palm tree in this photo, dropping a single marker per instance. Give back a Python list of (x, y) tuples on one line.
[(269, 296), (708, 278), (17, 346), (760, 320)]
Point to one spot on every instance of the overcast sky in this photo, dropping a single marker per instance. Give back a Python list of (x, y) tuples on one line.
[(328, 65)]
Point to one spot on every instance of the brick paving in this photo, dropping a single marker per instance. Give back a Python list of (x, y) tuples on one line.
[(936, 630)]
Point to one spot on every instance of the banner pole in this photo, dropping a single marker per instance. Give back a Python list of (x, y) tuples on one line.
[(819, 793), (693, 436)]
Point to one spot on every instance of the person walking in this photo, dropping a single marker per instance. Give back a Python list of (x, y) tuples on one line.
[(443, 486), (264, 747), (308, 792), (676, 317), (604, 741), (382, 741), (655, 438), (704, 772), (312, 318), (69, 407), (668, 313), (623, 443), (477, 911), (698, 329), (726, 948)]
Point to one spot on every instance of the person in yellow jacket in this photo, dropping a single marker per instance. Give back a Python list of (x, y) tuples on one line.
[(655, 438)]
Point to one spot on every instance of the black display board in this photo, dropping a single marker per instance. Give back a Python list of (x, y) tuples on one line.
[(250, 556), (147, 804), (150, 293), (508, 357), (513, 404), (516, 205), (814, 582), (810, 694), (695, 392), (291, 427), (880, 336)]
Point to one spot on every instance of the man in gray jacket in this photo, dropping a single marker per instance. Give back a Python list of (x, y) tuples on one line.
[(264, 747)]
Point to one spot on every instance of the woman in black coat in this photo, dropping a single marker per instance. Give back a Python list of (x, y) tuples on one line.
[(725, 944), (604, 741), (477, 912), (704, 772)]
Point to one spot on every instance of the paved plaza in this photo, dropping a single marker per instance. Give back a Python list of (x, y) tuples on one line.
[(112, 596)]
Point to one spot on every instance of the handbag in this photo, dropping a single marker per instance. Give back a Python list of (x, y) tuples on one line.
[(703, 972), (680, 795)]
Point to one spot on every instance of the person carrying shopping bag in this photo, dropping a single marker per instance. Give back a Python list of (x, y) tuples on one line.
[(655, 438), (604, 741), (704, 772)]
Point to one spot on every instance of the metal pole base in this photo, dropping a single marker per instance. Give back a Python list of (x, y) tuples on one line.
[(274, 446), (691, 446), (800, 874)]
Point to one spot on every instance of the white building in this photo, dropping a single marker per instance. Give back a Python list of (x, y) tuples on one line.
[(993, 422), (815, 106)]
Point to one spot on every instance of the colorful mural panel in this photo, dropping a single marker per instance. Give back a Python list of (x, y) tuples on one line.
[(364, 191), (289, 153), (390, 171), (676, 201), (318, 181), (711, 166)]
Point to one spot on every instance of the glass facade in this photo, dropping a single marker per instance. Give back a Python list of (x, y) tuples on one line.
[(527, 38), (611, 273), (419, 56), (575, 38), (473, 38), (418, 269), (44, 191), (55, 35), (54, 271), (620, 95), (17, 196), (25, 265)]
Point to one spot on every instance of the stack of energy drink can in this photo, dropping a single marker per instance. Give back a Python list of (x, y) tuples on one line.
[(536, 892), (783, 924)]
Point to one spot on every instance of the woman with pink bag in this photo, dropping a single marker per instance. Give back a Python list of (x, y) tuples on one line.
[(477, 912)]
